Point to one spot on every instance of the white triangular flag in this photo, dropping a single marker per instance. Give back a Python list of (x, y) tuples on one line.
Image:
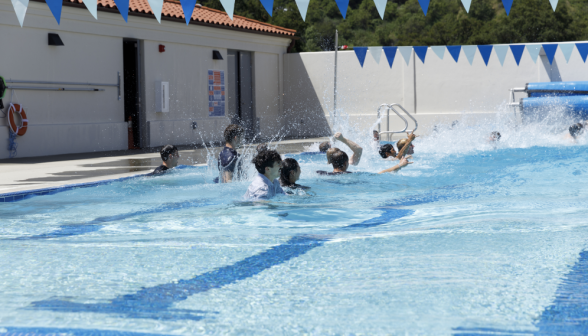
[(229, 6), (566, 49), (406, 52), (92, 6), (156, 6), (534, 50), (20, 8), (553, 4), (381, 7), (501, 51), (467, 4), (302, 8), (470, 52), (439, 51), (376, 53)]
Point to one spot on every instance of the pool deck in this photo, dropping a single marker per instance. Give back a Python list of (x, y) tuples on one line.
[(24, 174)]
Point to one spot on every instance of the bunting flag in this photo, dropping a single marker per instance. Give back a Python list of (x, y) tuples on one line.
[(439, 51), (507, 5), (381, 7), (157, 5), (376, 53), (454, 52), (534, 50), (342, 4), (553, 4), (550, 50), (421, 52), (466, 5), (92, 6), (470, 52), (566, 49), (188, 8), (405, 52), (485, 51), (20, 8), (424, 5), (390, 53), (123, 8), (517, 51), (501, 51), (582, 49), (55, 7), (360, 52), (302, 7)]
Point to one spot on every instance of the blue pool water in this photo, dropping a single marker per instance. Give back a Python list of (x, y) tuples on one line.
[(469, 239)]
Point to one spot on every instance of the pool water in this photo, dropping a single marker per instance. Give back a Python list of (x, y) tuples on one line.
[(471, 238)]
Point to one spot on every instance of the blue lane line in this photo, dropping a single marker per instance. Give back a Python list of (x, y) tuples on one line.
[(28, 331), (98, 223)]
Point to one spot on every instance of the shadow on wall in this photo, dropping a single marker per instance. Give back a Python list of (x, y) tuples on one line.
[(304, 112)]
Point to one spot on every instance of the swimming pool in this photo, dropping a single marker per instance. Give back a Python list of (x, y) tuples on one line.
[(470, 239)]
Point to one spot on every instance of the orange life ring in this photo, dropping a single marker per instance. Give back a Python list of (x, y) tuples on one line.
[(16, 129)]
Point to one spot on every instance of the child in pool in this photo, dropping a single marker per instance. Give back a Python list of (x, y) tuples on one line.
[(289, 174), (265, 185)]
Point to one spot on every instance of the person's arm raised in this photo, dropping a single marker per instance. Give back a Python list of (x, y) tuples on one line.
[(403, 162), (401, 152), (355, 148)]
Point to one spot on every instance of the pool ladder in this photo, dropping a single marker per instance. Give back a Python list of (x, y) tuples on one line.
[(392, 107)]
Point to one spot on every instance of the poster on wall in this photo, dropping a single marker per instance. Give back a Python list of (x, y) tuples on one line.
[(216, 93)]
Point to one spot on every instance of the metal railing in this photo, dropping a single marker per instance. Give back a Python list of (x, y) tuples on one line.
[(511, 101), (392, 107)]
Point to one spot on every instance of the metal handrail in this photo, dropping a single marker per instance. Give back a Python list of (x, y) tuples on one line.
[(416, 124), (388, 119), (511, 100)]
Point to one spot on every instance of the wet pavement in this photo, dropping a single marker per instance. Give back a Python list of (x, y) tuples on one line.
[(21, 174)]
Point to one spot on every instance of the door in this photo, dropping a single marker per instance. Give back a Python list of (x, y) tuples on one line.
[(132, 99), (240, 83)]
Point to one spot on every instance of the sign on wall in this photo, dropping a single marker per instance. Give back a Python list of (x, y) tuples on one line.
[(216, 93)]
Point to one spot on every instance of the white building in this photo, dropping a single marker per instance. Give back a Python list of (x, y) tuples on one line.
[(147, 55)]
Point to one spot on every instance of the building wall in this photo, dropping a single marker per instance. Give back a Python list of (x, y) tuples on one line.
[(445, 90), (74, 122)]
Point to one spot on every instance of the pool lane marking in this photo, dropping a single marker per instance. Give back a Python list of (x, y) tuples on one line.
[(155, 302), (33, 331)]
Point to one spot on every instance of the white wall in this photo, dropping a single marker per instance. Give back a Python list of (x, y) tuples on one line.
[(73, 122), (444, 89)]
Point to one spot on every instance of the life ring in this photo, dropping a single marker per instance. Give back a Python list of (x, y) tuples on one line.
[(16, 129)]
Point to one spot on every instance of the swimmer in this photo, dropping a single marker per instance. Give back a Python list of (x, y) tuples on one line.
[(228, 157), (376, 136), (575, 131), (289, 174), (494, 136), (400, 144), (169, 155), (340, 162), (387, 152), (355, 148), (265, 185)]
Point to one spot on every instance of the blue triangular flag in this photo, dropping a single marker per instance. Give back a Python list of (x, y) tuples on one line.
[(188, 8), (517, 51), (466, 5), (501, 51), (123, 8), (507, 5), (550, 50), (268, 5), (454, 52), (302, 7), (424, 5), (376, 53), (156, 6), (342, 4), (92, 6), (583, 50), (566, 49), (421, 52), (439, 51), (360, 52), (381, 7), (20, 9), (485, 51), (553, 4), (470, 52), (405, 52), (55, 7), (390, 53), (534, 50)]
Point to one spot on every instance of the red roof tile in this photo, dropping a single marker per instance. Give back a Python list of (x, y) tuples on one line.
[(173, 9)]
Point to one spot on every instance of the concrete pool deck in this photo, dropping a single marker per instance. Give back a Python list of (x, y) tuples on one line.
[(23, 174)]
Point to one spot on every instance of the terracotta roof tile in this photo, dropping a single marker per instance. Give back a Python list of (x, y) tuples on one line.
[(173, 9)]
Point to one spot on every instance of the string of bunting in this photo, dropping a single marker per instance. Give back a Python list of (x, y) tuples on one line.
[(470, 51), (20, 7)]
